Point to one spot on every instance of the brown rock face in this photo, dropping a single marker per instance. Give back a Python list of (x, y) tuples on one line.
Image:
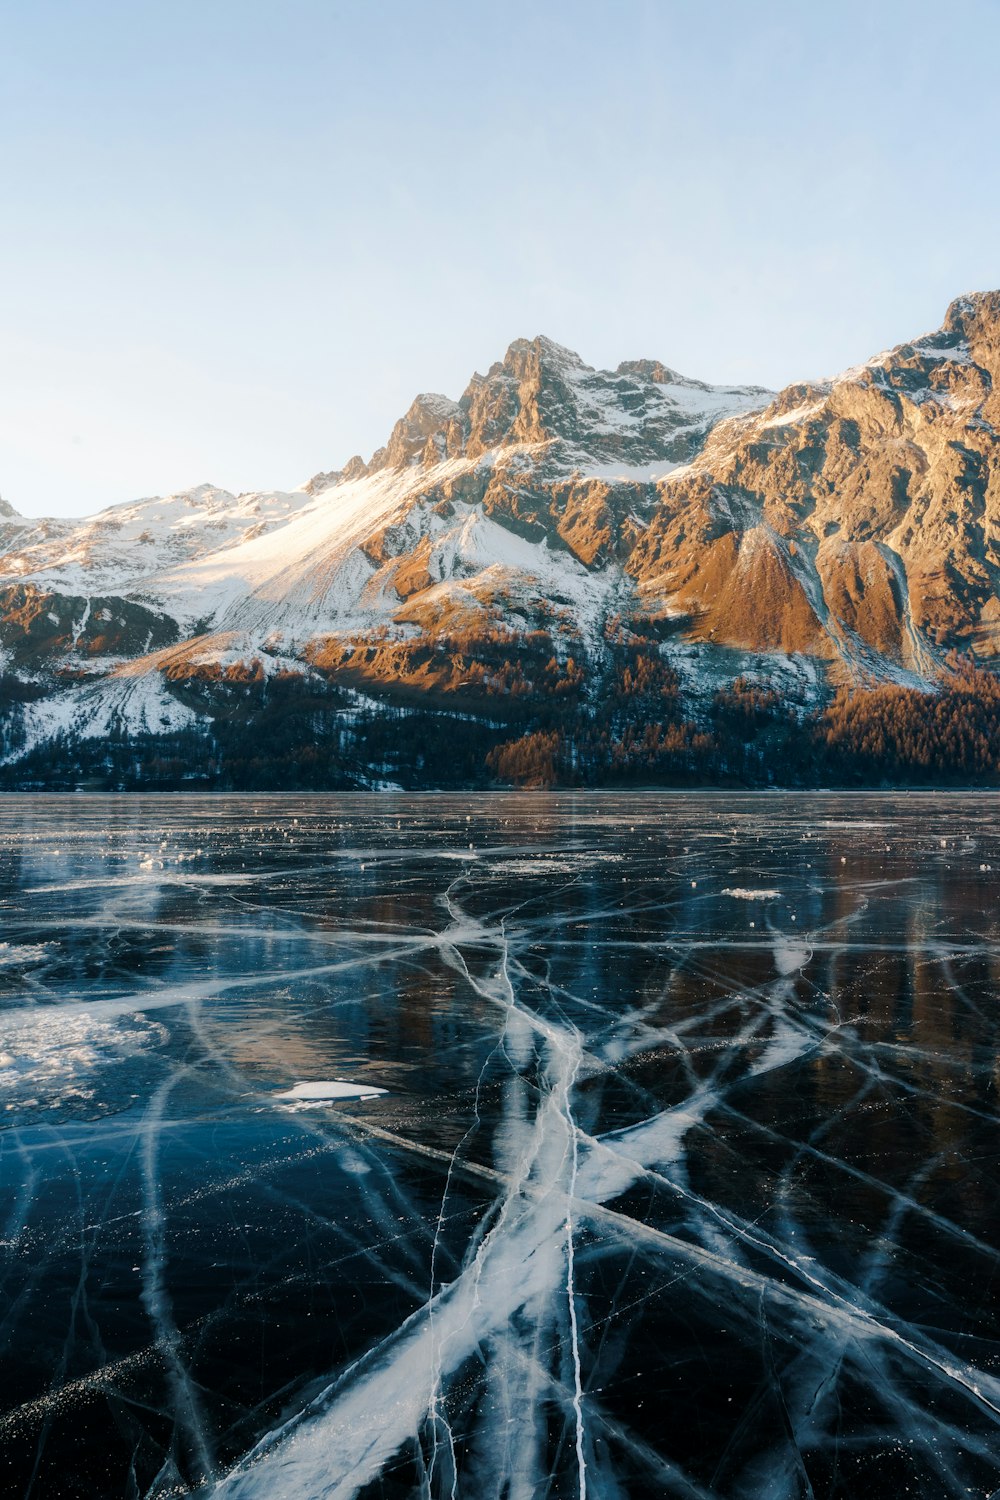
[(880, 492), (37, 625), (863, 593)]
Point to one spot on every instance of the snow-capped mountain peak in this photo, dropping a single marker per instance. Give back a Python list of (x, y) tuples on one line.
[(853, 524)]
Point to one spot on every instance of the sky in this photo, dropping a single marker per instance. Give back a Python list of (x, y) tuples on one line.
[(238, 236)]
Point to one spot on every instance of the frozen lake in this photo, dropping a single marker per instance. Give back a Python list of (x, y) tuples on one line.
[(500, 1147)]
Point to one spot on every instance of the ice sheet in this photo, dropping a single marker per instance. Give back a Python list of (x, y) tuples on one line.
[(581, 1145)]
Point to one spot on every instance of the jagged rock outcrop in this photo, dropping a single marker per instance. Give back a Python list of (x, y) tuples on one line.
[(40, 627), (542, 394), (876, 497)]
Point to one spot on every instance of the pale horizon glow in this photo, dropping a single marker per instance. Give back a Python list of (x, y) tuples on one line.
[(239, 238)]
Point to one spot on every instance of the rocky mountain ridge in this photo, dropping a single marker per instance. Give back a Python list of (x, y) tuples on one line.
[(860, 517), (837, 534)]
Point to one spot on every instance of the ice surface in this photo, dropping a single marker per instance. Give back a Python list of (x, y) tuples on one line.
[(578, 1145)]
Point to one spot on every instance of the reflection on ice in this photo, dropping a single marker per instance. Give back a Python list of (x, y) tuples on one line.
[(595, 1180)]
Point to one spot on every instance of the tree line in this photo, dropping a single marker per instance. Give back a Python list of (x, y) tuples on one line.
[(540, 714)]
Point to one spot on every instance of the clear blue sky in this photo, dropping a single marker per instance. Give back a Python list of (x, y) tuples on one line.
[(239, 235)]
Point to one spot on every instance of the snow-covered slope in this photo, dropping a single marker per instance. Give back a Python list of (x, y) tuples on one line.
[(119, 547), (530, 487)]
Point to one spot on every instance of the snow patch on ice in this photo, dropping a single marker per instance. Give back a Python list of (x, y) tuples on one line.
[(12, 954), (322, 1092), (744, 893), (46, 1057)]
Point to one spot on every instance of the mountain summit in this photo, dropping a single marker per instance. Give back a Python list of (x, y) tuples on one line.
[(541, 393)]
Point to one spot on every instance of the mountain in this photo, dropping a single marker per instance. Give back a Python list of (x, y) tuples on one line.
[(507, 561), (540, 455)]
